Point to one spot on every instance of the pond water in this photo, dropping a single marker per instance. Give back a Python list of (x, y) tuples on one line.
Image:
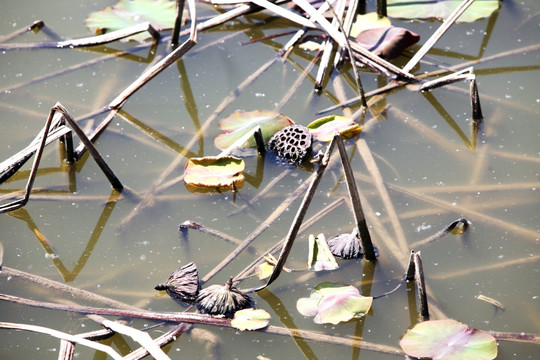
[(74, 231)]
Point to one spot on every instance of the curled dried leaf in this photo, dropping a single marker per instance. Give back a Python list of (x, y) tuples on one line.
[(183, 284)]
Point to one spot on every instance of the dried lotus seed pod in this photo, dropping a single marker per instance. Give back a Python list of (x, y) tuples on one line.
[(223, 300), (292, 143)]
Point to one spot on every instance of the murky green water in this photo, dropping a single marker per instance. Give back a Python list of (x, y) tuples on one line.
[(123, 249)]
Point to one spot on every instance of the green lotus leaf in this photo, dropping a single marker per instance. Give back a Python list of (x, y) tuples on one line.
[(250, 319), (331, 303), (241, 122), (440, 9), (448, 339), (160, 13), (213, 171), (320, 257), (323, 129)]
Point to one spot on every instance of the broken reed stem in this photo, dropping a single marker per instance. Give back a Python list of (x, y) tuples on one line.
[(381, 8), (161, 341), (437, 35), (188, 224), (151, 73), (421, 286), (21, 202), (62, 335), (416, 272), (163, 64), (88, 41), (475, 104), (363, 231), (206, 320), (10, 166), (64, 288), (297, 222), (35, 26), (325, 66), (90, 147), (67, 350), (250, 269), (442, 232), (259, 140), (262, 227), (177, 22), (397, 84), (192, 318)]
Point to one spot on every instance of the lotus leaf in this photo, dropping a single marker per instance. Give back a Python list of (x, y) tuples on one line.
[(323, 129), (241, 122), (250, 319), (213, 171), (334, 303), (448, 339), (160, 13), (440, 9)]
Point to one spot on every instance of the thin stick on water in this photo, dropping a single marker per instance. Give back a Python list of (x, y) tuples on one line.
[(88, 41), (188, 224), (36, 25)]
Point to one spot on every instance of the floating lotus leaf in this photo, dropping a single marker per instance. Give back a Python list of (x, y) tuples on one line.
[(368, 21), (448, 340), (334, 303), (388, 42), (440, 9), (250, 319), (183, 284), (213, 171), (160, 13), (320, 257), (323, 129), (241, 122)]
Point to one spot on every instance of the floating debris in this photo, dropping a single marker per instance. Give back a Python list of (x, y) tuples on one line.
[(183, 284), (292, 143), (223, 300), (347, 246), (495, 303)]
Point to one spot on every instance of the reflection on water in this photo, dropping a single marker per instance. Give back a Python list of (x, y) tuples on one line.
[(420, 163)]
